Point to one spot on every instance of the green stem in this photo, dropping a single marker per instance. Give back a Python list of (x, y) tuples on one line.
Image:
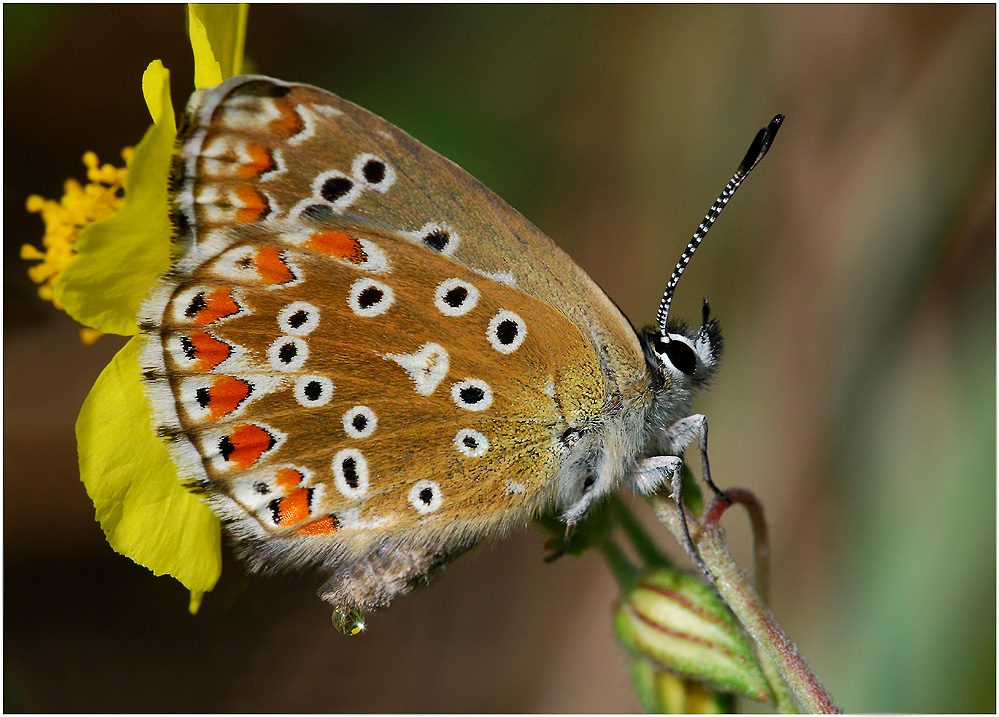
[(745, 602), (623, 570), (761, 551), (646, 548)]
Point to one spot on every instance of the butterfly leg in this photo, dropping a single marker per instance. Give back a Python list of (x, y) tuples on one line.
[(569, 528), (682, 433), (651, 474)]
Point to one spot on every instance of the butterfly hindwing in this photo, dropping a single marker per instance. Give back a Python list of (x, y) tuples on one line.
[(342, 356)]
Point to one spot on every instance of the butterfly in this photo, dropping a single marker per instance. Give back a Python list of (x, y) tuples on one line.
[(366, 362)]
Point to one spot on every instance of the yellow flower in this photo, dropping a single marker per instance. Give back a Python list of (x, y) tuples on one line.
[(79, 207), (107, 250)]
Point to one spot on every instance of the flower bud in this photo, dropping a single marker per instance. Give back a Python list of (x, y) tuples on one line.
[(665, 693), (676, 624)]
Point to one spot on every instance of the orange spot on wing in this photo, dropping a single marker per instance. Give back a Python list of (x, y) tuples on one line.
[(225, 395), (324, 526), (288, 478), (272, 267), (254, 205), (293, 508), (289, 123), (260, 162), (244, 446), (218, 304), (208, 351), (338, 245)]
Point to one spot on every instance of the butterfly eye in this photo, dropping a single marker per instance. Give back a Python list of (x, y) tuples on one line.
[(681, 355)]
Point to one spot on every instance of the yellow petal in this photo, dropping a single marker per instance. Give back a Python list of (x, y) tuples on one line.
[(120, 257), (195, 602), (207, 70), (218, 34), (156, 92), (141, 505)]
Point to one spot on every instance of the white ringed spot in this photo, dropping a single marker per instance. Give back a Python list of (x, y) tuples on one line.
[(373, 172), (298, 318), (506, 332), (454, 297), (471, 443), (368, 297), (336, 189), (426, 496), (438, 237), (473, 394), (313, 391), (288, 353), (350, 473), (360, 422)]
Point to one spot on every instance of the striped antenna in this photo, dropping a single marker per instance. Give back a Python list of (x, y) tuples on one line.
[(757, 150)]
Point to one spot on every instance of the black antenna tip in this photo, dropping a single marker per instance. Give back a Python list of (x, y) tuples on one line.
[(760, 146)]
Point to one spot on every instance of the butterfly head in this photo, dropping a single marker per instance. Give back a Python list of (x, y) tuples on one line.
[(684, 357), (680, 359)]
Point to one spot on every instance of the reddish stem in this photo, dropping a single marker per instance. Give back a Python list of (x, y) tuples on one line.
[(761, 536), (746, 603)]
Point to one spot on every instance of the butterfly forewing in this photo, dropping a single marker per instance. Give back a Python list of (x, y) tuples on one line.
[(341, 356)]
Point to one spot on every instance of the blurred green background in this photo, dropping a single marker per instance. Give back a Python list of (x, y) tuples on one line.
[(854, 277)]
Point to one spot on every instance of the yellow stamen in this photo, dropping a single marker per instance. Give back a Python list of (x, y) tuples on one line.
[(64, 219)]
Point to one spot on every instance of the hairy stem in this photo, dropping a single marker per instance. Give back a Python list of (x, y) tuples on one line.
[(761, 554), (761, 537), (750, 609)]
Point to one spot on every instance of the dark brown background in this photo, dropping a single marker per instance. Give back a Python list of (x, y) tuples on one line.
[(854, 277)]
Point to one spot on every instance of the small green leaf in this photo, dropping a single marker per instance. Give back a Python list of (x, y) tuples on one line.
[(584, 535)]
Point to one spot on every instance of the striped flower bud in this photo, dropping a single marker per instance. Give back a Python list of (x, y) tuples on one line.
[(675, 624)]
